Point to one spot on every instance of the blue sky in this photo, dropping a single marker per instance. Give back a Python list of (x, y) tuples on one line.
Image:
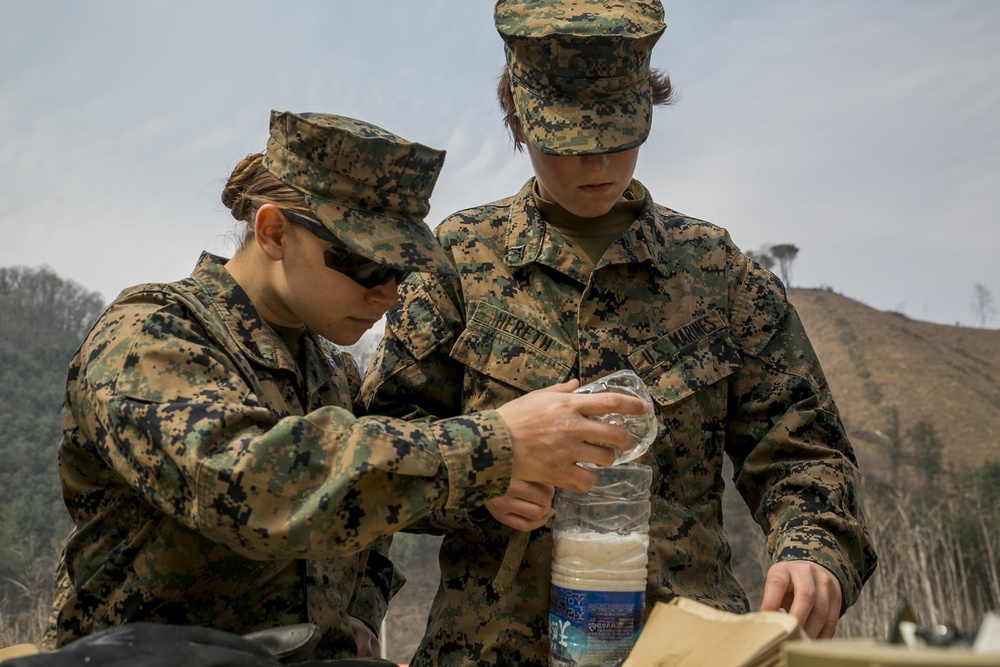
[(867, 133)]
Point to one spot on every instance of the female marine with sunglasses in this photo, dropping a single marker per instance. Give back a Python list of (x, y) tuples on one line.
[(212, 461)]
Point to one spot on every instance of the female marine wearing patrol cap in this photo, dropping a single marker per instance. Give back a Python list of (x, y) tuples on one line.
[(211, 461), (605, 279)]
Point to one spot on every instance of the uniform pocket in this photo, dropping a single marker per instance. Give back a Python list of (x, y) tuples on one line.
[(691, 357), (685, 373), (507, 349)]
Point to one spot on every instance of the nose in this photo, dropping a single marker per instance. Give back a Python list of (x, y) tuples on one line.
[(595, 162), (384, 294)]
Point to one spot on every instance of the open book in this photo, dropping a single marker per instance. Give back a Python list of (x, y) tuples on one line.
[(686, 633)]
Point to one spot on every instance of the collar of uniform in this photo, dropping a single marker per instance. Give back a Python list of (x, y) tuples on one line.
[(641, 242), (232, 304), (524, 234), (531, 239)]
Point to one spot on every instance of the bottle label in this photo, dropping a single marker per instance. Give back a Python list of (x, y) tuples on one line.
[(593, 627)]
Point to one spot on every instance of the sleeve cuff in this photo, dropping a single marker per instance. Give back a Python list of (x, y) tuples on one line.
[(477, 453), (817, 546)]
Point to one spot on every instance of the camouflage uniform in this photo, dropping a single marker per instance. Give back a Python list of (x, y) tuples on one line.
[(724, 356), (214, 479)]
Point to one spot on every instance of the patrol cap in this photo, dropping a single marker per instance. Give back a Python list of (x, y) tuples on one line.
[(366, 185), (579, 71)]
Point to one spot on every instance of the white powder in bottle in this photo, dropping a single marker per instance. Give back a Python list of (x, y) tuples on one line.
[(588, 560)]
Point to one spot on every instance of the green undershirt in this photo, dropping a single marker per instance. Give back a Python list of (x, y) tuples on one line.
[(591, 237)]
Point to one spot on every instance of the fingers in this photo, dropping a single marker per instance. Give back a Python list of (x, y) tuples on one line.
[(809, 592), (577, 478), (611, 438), (830, 627), (806, 607), (518, 522), (518, 514), (365, 639), (551, 432), (607, 402), (531, 492), (525, 506), (616, 405), (834, 598), (598, 455), (778, 582)]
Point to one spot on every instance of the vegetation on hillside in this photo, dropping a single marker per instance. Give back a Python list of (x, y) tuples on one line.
[(42, 321)]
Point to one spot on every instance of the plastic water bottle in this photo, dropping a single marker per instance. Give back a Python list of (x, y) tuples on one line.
[(600, 546), (599, 557)]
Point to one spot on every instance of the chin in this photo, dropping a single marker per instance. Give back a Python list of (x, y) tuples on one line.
[(343, 340), (342, 336)]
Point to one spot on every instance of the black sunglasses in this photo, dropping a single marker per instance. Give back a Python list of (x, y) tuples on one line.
[(338, 257)]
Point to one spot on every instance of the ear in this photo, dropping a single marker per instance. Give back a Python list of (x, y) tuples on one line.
[(270, 229)]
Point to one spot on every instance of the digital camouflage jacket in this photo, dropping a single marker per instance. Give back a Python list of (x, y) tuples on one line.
[(215, 481), (724, 356)]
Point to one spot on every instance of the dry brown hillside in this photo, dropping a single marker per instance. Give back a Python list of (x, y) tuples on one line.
[(945, 375)]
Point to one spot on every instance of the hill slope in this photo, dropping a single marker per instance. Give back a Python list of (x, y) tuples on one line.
[(945, 375)]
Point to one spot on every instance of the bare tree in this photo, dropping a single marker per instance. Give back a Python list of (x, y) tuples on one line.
[(785, 253), (894, 444), (762, 257), (982, 305), (928, 455)]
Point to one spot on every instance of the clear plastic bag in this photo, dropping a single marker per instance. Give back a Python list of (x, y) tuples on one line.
[(642, 427)]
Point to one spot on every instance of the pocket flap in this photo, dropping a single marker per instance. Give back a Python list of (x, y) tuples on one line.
[(419, 325), (686, 359), (505, 347)]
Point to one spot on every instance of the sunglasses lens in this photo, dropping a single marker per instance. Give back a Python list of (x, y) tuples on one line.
[(379, 275), (361, 270)]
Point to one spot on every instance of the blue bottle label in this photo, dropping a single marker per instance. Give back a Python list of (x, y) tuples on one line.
[(593, 627)]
